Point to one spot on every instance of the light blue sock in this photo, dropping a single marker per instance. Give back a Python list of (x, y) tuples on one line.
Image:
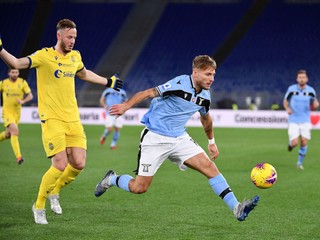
[(302, 154), (121, 181), (105, 133), (115, 138), (222, 189)]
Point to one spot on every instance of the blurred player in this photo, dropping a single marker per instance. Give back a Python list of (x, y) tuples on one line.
[(63, 135), (15, 93), (297, 101), (165, 136), (108, 98)]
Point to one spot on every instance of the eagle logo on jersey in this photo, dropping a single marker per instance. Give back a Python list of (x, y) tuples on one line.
[(146, 167), (51, 146)]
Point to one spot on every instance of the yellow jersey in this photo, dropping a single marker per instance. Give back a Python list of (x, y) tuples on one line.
[(11, 92), (56, 83)]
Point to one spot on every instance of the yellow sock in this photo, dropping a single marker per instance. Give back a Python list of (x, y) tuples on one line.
[(47, 185), (15, 146), (69, 174), (2, 136)]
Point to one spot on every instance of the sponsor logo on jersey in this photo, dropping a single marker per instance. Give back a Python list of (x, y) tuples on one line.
[(58, 74)]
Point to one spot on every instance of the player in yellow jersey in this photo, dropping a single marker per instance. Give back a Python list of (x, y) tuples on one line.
[(63, 135), (15, 93)]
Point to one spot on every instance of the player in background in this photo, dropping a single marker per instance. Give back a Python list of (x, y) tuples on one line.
[(165, 136), (15, 93), (63, 135), (108, 98), (297, 102)]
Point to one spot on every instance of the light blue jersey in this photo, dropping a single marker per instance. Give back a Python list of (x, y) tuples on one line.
[(299, 102), (178, 101), (112, 97)]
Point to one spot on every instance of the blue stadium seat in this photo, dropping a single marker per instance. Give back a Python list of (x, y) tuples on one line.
[(184, 31), (15, 19), (284, 39)]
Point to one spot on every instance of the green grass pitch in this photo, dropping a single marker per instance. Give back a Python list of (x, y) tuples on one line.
[(178, 205)]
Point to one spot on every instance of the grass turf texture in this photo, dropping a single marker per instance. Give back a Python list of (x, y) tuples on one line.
[(178, 205)]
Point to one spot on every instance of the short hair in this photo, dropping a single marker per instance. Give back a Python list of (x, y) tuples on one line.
[(203, 62), (10, 69), (301, 72), (65, 23)]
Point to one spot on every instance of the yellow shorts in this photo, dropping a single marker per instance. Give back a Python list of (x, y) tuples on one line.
[(10, 117), (57, 135)]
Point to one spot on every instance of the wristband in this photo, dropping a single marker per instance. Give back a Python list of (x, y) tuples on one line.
[(212, 141), (109, 82)]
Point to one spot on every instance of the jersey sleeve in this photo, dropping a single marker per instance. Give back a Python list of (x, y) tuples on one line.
[(168, 86), (26, 88), (81, 64), (36, 58), (287, 95), (104, 93), (0, 85)]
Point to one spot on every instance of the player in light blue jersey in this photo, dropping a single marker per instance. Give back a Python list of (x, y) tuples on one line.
[(165, 136), (109, 98), (297, 102)]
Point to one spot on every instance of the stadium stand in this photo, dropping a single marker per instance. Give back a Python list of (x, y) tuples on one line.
[(283, 39), (15, 19), (265, 61), (184, 31)]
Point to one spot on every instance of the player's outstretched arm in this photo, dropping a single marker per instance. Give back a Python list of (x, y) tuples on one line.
[(120, 109), (87, 75), (12, 61)]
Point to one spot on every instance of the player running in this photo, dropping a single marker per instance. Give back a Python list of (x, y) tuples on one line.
[(165, 136)]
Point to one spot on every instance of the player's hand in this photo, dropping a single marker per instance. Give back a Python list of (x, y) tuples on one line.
[(115, 82), (213, 151), (21, 102), (289, 111), (118, 109), (1, 47)]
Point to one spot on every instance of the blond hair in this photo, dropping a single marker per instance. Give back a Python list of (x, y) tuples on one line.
[(203, 62)]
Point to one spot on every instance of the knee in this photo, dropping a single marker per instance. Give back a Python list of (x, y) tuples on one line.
[(294, 142), (79, 165)]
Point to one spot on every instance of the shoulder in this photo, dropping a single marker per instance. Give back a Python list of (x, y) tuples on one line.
[(292, 87), (181, 81), (206, 94), (40, 52), (76, 53), (122, 92), (309, 88)]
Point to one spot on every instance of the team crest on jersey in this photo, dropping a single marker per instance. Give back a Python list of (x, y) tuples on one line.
[(51, 146), (193, 100), (72, 59), (56, 58)]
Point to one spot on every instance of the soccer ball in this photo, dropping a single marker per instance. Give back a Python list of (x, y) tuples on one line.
[(263, 175)]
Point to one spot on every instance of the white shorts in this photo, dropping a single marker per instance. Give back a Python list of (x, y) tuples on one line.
[(299, 129), (113, 121), (155, 149)]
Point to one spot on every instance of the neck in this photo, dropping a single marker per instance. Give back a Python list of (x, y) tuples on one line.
[(59, 50)]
